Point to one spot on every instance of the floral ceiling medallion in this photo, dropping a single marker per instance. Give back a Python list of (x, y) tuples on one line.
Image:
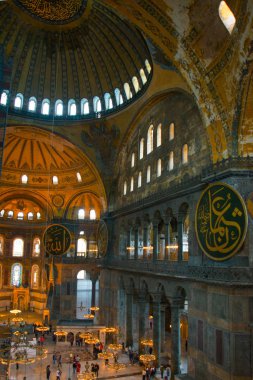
[(53, 11)]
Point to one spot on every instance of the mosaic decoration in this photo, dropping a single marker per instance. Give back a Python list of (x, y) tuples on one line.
[(56, 239), (55, 11), (220, 221)]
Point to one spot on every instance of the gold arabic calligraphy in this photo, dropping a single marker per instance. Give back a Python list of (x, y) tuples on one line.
[(57, 240), (58, 10), (220, 221)]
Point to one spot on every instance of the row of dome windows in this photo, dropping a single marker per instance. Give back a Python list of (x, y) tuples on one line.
[(30, 215), (18, 246), (109, 103), (150, 140), (55, 180), (185, 154)]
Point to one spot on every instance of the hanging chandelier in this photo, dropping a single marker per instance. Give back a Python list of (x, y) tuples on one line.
[(146, 358), (116, 366), (17, 319), (86, 335), (60, 333), (42, 329), (15, 311)]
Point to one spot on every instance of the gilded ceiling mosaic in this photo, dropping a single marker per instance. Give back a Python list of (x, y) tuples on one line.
[(55, 11)]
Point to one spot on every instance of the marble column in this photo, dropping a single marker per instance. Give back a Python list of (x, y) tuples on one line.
[(175, 338), (93, 292), (128, 243), (136, 242), (180, 227), (163, 307), (155, 241), (157, 328), (129, 319), (142, 303), (145, 240), (167, 239)]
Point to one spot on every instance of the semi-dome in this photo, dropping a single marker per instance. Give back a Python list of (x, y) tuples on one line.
[(74, 58)]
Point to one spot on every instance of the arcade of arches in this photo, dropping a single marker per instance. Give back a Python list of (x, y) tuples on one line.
[(115, 120)]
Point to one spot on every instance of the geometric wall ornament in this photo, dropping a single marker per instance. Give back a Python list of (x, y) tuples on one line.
[(56, 239), (221, 221)]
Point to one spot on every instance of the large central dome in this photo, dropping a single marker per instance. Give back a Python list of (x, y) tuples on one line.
[(93, 63)]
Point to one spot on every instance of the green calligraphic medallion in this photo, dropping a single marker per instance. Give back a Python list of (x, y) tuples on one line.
[(56, 239), (221, 221)]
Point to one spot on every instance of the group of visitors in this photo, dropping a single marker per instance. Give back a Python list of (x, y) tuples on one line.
[(149, 373)]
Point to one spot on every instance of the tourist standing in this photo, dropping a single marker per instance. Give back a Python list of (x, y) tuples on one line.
[(48, 372)]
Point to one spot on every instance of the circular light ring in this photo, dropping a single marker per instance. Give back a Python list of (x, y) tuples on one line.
[(89, 316), (117, 366), (17, 319), (42, 328), (105, 355), (15, 311), (109, 330), (86, 335), (60, 333), (147, 358), (147, 342), (92, 340), (94, 308), (115, 347)]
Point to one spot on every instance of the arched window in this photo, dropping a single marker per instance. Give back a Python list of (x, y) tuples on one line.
[(24, 178), (118, 97), (18, 102), (38, 215), (20, 215), (143, 76), (136, 84), (4, 97), (1, 245), (81, 247), (171, 161), (227, 16), (35, 276), (132, 184), (85, 109), (150, 139), (132, 160), (18, 247), (92, 214), (45, 107), (58, 107), (30, 216), (108, 101), (79, 177), (71, 107), (2, 213), (36, 247), (84, 296), (141, 153), (159, 167), (185, 154), (148, 67), (125, 188), (128, 92), (32, 104), (97, 104), (148, 174), (81, 213), (139, 179), (171, 131), (159, 135), (10, 214), (55, 180), (16, 274)]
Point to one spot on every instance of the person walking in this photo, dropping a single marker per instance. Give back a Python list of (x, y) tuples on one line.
[(58, 374), (48, 372)]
